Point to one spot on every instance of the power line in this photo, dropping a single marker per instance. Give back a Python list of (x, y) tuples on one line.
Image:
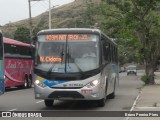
[(34, 3), (44, 4)]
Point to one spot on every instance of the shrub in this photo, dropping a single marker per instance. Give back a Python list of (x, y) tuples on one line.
[(144, 78)]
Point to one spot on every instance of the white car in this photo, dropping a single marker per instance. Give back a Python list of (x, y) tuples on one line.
[(131, 70)]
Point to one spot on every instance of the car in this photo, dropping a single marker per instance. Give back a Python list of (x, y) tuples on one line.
[(131, 70)]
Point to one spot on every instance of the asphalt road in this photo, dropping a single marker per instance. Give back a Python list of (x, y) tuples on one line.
[(23, 100)]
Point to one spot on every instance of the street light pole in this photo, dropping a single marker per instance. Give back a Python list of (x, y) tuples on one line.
[(50, 20), (30, 21), (50, 14)]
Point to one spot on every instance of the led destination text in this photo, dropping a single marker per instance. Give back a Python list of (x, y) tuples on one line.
[(50, 59), (70, 37)]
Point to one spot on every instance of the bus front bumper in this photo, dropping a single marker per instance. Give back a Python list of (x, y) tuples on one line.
[(96, 93)]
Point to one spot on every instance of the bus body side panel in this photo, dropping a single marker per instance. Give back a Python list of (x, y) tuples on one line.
[(109, 77), (2, 77), (114, 76), (15, 71)]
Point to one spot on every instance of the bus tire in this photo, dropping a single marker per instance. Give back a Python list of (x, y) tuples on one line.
[(29, 82), (112, 95), (49, 103), (25, 85)]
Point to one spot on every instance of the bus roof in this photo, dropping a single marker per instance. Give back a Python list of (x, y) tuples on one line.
[(14, 42), (69, 30)]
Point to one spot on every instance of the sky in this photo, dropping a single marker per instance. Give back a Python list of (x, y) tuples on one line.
[(15, 10)]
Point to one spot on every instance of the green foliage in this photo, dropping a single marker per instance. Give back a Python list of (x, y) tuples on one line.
[(144, 78), (22, 34), (117, 24), (141, 21), (88, 18)]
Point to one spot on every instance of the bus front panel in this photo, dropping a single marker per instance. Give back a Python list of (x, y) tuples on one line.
[(87, 89)]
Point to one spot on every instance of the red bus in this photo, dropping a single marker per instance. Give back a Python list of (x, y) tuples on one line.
[(18, 62)]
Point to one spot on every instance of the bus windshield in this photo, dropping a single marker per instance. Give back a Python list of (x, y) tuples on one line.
[(67, 53)]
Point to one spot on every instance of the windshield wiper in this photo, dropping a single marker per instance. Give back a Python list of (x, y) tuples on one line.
[(50, 69), (62, 54), (70, 57)]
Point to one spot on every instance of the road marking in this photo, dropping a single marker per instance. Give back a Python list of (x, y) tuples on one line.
[(147, 107), (12, 110), (134, 104), (40, 101)]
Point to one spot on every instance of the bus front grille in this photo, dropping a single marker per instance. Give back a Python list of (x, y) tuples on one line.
[(67, 94)]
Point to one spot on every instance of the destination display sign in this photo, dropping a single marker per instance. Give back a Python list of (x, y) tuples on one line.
[(67, 36), (50, 59)]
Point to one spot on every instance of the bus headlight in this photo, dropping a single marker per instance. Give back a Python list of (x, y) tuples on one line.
[(93, 83), (39, 83)]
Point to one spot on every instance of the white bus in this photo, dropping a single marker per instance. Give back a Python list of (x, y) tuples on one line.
[(75, 64)]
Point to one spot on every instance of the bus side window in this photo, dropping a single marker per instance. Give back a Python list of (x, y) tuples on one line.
[(110, 52), (31, 51), (14, 49), (105, 50)]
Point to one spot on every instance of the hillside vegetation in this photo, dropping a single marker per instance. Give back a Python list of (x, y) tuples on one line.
[(64, 16)]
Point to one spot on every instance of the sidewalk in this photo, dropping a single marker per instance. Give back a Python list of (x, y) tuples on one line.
[(149, 99)]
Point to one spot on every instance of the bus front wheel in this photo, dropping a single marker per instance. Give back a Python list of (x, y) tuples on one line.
[(49, 103)]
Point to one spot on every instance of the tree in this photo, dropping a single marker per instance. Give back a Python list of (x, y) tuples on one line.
[(22, 34), (111, 21), (141, 16)]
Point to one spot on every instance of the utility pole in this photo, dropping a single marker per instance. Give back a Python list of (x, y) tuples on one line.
[(49, 19), (50, 15), (30, 21)]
